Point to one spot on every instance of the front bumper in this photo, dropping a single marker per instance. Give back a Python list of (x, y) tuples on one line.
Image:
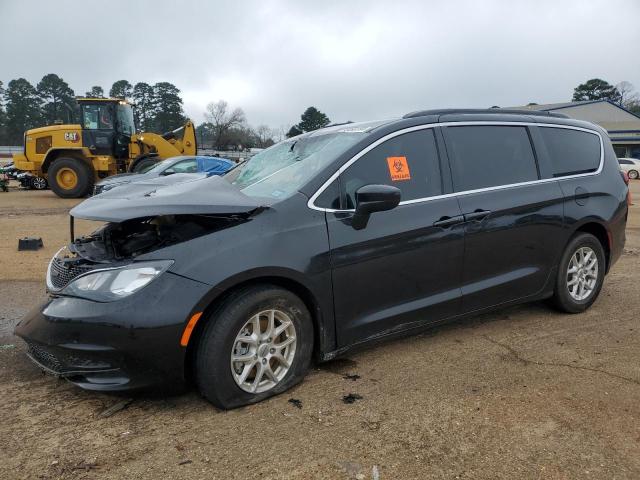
[(133, 343)]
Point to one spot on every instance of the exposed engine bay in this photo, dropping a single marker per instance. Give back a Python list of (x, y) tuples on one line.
[(126, 240), (116, 244)]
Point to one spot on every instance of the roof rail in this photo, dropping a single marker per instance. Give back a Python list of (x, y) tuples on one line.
[(496, 111)]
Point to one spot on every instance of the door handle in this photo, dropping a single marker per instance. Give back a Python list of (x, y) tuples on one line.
[(446, 222), (477, 215)]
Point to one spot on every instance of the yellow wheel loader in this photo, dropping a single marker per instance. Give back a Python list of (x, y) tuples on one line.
[(73, 157)]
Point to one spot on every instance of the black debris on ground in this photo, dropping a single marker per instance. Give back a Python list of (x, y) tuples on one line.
[(295, 402), (121, 405), (349, 376), (351, 398)]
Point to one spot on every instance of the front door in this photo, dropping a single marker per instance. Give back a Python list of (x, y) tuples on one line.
[(404, 268), (98, 132)]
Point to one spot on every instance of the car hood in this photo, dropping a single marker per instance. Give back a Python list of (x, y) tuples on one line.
[(178, 194), (120, 178)]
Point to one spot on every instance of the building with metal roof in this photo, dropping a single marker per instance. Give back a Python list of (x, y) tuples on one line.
[(622, 125)]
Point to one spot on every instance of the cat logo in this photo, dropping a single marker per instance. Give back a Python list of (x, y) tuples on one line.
[(71, 136), (398, 168)]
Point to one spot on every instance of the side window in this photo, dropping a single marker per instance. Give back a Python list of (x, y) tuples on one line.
[(186, 166), (625, 162), (97, 117), (571, 151), (489, 156), (408, 161)]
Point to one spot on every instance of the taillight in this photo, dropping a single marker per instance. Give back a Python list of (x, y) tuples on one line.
[(625, 177)]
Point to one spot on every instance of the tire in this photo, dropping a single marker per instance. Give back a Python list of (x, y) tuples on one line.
[(143, 162), (633, 174), (213, 363), (70, 177), (571, 301), (38, 183)]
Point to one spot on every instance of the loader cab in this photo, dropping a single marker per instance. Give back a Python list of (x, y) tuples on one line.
[(107, 126)]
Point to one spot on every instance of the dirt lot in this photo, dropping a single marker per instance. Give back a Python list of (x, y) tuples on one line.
[(520, 393)]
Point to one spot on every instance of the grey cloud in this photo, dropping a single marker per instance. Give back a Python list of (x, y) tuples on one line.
[(354, 60)]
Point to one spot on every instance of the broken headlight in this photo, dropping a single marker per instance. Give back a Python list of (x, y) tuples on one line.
[(112, 284)]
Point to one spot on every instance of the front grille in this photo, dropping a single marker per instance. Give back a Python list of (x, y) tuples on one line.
[(63, 270)]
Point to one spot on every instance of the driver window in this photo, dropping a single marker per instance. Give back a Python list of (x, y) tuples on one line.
[(409, 162), (186, 166)]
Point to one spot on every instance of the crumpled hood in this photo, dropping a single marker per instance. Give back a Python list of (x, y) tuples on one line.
[(178, 194)]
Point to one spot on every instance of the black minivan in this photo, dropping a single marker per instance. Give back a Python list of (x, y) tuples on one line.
[(326, 241)]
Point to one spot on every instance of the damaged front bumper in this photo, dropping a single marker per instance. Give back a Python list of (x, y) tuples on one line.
[(133, 343)]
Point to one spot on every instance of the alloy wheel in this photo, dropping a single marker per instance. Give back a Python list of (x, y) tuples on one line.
[(263, 351), (582, 273)]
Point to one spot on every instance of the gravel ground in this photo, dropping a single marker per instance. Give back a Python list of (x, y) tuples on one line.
[(524, 392)]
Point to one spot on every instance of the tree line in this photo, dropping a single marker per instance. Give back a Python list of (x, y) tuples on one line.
[(51, 100), (159, 108)]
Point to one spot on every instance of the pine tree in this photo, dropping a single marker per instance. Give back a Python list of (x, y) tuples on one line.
[(121, 89), (23, 110), (143, 111), (167, 107), (596, 89), (58, 99), (312, 119), (95, 92)]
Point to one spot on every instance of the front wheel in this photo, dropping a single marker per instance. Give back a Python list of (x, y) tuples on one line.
[(257, 344), (70, 177), (633, 174), (580, 274)]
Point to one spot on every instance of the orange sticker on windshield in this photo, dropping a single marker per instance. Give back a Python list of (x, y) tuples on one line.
[(398, 168)]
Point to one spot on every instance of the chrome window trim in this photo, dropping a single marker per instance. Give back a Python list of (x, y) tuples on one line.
[(364, 151)]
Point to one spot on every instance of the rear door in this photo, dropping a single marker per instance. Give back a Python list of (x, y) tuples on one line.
[(513, 221), (404, 268)]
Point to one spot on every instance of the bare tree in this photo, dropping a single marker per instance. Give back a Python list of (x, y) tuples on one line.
[(265, 136), (628, 95), (223, 120)]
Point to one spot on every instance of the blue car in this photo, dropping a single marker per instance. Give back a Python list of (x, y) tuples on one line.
[(204, 166)]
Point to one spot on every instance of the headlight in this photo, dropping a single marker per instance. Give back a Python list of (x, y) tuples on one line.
[(115, 283)]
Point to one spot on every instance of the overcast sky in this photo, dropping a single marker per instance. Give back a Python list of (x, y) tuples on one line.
[(354, 60)]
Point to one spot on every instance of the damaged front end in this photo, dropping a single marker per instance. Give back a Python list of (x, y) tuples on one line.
[(115, 245), (144, 218)]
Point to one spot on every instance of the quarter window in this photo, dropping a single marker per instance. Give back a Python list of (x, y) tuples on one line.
[(408, 161), (571, 151), (489, 156)]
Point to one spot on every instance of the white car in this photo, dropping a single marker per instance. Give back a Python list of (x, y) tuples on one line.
[(631, 166)]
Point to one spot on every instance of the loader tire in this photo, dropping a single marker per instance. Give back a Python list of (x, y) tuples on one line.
[(143, 162), (70, 177)]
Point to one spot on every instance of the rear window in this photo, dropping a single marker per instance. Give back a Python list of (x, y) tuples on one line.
[(489, 156), (571, 151)]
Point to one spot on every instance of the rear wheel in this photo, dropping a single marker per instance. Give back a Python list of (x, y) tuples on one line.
[(257, 344), (70, 177), (633, 174), (580, 274), (143, 162)]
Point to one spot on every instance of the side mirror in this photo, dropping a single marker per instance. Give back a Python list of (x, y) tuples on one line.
[(167, 172), (374, 198)]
